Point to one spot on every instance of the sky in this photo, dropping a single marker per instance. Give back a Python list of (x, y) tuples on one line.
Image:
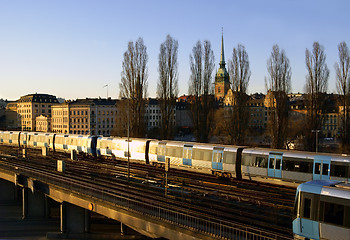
[(72, 48)]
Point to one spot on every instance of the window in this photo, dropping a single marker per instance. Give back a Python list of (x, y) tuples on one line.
[(325, 169), (307, 208), (272, 163), (317, 168), (339, 171), (333, 213), (260, 162)]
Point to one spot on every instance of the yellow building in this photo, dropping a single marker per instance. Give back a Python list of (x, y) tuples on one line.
[(85, 116), (43, 124), (33, 105), (60, 118)]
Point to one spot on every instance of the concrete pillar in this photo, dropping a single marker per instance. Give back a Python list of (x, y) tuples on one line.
[(74, 219), (24, 153), (34, 205), (73, 154), (87, 220), (44, 151), (121, 229), (8, 191)]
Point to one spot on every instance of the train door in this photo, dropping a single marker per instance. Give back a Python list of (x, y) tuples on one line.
[(217, 159), (161, 151), (275, 165), (187, 155), (79, 144), (35, 139), (322, 166), (65, 142)]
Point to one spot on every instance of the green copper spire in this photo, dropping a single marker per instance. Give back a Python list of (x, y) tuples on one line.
[(222, 58)]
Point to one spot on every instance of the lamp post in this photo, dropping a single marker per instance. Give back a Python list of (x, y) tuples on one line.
[(107, 89), (128, 138), (316, 131)]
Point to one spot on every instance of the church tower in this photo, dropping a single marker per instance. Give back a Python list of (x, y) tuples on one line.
[(222, 82)]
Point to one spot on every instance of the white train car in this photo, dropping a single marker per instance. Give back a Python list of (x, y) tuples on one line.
[(206, 158), (118, 147), (80, 143), (295, 165), (322, 210), (11, 138), (41, 140)]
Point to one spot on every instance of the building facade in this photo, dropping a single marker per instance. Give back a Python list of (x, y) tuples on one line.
[(85, 116), (43, 124), (33, 105)]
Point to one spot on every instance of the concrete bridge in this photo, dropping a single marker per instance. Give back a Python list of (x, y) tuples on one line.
[(78, 199)]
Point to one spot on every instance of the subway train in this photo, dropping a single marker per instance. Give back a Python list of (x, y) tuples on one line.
[(322, 210), (222, 160)]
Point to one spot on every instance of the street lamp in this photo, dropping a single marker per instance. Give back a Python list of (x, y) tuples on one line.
[(316, 131), (107, 89), (128, 138)]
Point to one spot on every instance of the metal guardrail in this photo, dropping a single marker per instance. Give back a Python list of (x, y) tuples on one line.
[(213, 227)]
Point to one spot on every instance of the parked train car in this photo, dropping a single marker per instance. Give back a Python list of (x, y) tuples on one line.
[(210, 158), (80, 143), (295, 165), (41, 140), (322, 210), (118, 147), (10, 138), (37, 139)]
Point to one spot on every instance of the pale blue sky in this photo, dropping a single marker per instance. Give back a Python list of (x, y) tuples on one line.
[(72, 48)]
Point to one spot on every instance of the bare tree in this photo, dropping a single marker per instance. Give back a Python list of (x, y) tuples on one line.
[(342, 69), (167, 89), (279, 84), (202, 66), (316, 88), (133, 85), (236, 122)]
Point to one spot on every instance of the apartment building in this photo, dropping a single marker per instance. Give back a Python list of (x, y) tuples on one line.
[(33, 105), (85, 116), (43, 124), (153, 115)]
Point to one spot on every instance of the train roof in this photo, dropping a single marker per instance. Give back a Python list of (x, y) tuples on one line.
[(298, 154), (329, 188), (196, 145), (72, 135)]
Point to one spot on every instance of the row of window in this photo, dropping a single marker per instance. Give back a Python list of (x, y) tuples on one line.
[(327, 210), (298, 165)]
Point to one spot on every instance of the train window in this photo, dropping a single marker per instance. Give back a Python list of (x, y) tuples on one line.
[(317, 168), (229, 157), (289, 165), (339, 170), (260, 162), (305, 167), (333, 213), (307, 208), (272, 163), (325, 169), (207, 156), (201, 155), (278, 163)]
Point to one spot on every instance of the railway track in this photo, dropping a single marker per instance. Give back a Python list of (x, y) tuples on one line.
[(239, 200)]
